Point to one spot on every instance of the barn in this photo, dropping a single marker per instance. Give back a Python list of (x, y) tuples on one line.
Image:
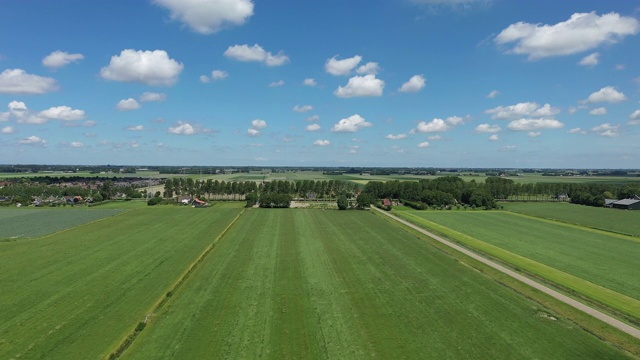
[(627, 204)]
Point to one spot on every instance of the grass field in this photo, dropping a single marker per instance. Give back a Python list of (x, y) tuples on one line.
[(293, 284), (624, 222), (76, 294), (27, 223), (600, 265)]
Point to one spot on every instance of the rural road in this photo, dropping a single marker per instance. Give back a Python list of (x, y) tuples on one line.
[(565, 299)]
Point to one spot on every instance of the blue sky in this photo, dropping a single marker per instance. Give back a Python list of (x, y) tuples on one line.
[(416, 83)]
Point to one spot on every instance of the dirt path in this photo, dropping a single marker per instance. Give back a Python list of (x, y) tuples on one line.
[(565, 299)]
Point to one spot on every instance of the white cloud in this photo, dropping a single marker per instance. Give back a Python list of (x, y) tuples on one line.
[(396, 137), (253, 132), (17, 81), (303, 108), (33, 140), (522, 110), (258, 124), (204, 79), (590, 60), (136, 128), (313, 118), (577, 131), (486, 128), (351, 124), (508, 148), (8, 130), (606, 94), (635, 118), (152, 97), (89, 123), (534, 124), (256, 53), (423, 144), (366, 85), (322, 142), (534, 134), (435, 125), (219, 74), (606, 130), (457, 120), (183, 128), (207, 17), (277, 83), (599, 111), (342, 67), (494, 137), (64, 113), (620, 66), (76, 144), (313, 127), (310, 82), (435, 137), (59, 59), (128, 104), (493, 94), (582, 32), (370, 68), (416, 83), (148, 67)]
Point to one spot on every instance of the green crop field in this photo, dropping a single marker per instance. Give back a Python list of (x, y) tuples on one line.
[(76, 294), (624, 222), (27, 223), (600, 265), (317, 284)]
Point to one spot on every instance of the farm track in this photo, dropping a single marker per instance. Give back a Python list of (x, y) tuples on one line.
[(555, 294)]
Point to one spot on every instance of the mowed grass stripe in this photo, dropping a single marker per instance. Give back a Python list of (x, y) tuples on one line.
[(349, 285), (75, 294)]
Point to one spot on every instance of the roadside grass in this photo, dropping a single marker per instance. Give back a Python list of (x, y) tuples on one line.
[(614, 220), (597, 266), (285, 283), (21, 223), (77, 293)]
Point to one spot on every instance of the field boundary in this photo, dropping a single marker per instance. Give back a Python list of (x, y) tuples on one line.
[(133, 334), (626, 328)]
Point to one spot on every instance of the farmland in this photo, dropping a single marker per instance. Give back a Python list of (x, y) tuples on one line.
[(77, 293), (330, 284), (600, 265)]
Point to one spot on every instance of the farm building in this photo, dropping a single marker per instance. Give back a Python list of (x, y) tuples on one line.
[(627, 204)]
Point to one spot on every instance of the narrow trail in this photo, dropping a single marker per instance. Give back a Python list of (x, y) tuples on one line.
[(555, 294)]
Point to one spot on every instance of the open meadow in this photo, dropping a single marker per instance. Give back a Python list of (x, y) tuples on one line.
[(77, 293), (600, 265), (308, 283)]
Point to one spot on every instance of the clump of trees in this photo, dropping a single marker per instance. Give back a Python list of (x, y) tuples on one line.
[(275, 200)]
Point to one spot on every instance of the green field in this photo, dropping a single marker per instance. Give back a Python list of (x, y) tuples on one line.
[(624, 222), (600, 265), (77, 293), (27, 223), (294, 284)]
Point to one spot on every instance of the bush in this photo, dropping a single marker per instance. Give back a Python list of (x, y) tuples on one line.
[(154, 201)]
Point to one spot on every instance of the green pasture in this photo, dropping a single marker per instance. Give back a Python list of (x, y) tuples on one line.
[(321, 284), (76, 294), (599, 265), (27, 223), (619, 221)]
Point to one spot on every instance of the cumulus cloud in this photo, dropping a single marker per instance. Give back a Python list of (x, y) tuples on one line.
[(322, 142), (415, 84), (606, 130), (310, 82), (528, 109), (313, 118), (313, 127), (8, 130), (152, 97), (351, 124), (439, 125), (493, 94), (577, 131), (256, 126), (635, 118), (303, 108), (256, 53), (606, 94), (486, 128), (370, 68), (154, 68), (207, 17), (33, 140), (59, 59), (534, 134), (435, 137), (18, 81), (590, 60), (342, 67), (76, 144), (423, 144), (183, 128), (128, 104), (599, 111), (277, 83), (396, 137), (582, 32), (366, 85), (136, 128), (494, 137), (64, 113), (534, 124)]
